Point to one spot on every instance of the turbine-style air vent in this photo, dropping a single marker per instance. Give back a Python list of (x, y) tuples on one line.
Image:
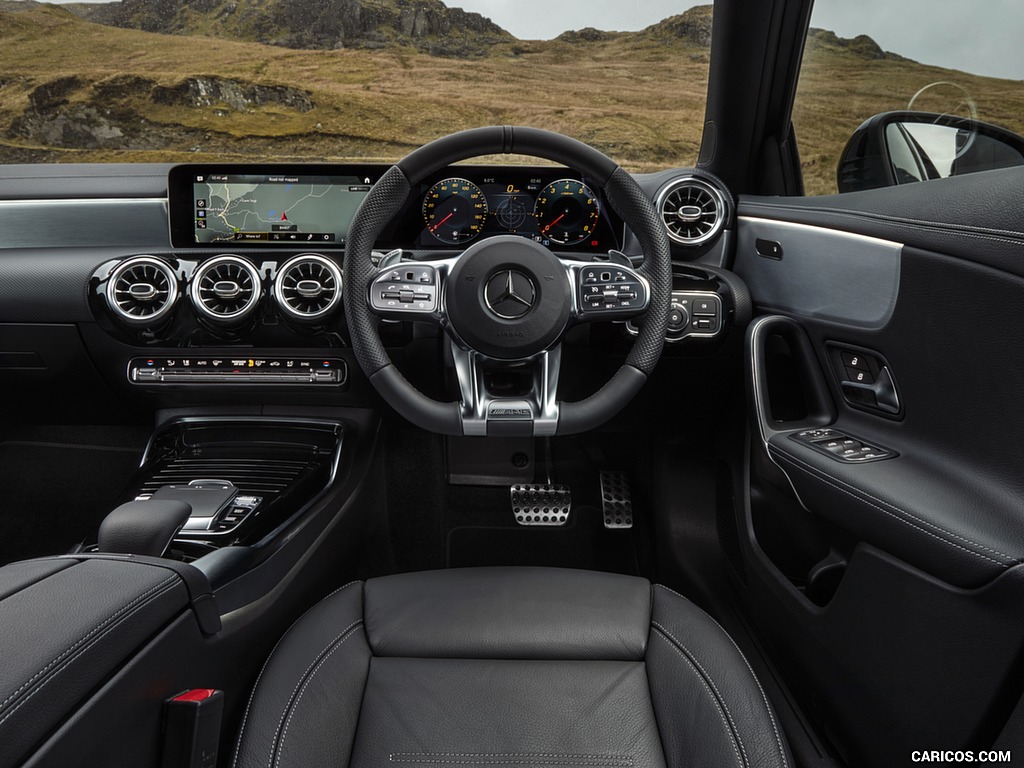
[(226, 289), (692, 209), (308, 287), (141, 291)]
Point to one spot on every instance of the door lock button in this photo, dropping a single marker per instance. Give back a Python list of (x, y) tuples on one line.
[(859, 376), (856, 361)]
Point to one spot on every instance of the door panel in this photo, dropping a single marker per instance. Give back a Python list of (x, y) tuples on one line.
[(888, 582)]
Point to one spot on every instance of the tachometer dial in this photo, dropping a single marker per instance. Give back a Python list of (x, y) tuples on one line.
[(567, 212), (455, 210)]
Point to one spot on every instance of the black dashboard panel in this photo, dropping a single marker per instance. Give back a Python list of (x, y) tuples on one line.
[(90, 247)]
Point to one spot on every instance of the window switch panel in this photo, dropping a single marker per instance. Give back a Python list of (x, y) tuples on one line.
[(841, 447)]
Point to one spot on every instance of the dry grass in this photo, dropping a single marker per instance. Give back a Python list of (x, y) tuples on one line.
[(638, 99), (838, 92)]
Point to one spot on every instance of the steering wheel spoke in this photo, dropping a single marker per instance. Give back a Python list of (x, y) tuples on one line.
[(411, 291), (493, 404), (606, 291)]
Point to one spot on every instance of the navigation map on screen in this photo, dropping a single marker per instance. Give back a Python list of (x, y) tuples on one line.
[(275, 208)]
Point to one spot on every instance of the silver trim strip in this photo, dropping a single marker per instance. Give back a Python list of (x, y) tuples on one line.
[(86, 201), (140, 223), (824, 273)]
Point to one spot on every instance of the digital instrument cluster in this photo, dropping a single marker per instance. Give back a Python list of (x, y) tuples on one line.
[(547, 205)]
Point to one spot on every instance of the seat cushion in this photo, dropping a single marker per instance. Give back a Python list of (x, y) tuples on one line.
[(507, 667)]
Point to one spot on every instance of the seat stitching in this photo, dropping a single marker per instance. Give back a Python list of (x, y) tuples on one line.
[(733, 737), (576, 760), (266, 663), (826, 478), (84, 639), (619, 758), (339, 641), (764, 696), (167, 587), (692, 657)]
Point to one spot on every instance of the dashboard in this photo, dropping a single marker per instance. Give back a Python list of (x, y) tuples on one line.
[(179, 284)]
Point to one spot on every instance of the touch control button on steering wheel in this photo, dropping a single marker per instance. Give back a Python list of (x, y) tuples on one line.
[(508, 298)]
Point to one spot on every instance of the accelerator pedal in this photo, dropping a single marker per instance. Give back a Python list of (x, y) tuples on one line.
[(616, 501), (541, 504)]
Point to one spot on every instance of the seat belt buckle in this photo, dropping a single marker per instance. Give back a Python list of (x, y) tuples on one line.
[(192, 728)]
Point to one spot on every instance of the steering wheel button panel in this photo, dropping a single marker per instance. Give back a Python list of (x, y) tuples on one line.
[(405, 290), (615, 291)]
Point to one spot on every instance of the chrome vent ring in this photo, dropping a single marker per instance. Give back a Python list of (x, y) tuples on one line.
[(308, 287), (226, 289), (693, 210), (142, 291)]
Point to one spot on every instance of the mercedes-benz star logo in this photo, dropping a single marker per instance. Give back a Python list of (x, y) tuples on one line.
[(510, 294)]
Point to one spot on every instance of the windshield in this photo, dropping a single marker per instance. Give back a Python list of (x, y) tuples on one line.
[(198, 80)]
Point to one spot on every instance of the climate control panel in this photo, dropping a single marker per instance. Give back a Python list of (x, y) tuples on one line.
[(237, 370)]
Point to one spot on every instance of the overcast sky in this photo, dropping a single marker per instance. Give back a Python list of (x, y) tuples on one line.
[(979, 36)]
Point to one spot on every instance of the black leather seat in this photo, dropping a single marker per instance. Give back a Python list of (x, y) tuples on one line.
[(508, 667)]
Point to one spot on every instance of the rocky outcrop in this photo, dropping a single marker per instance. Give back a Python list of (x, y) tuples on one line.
[(428, 25), (239, 95), (693, 27), (862, 46), (111, 113), (587, 35)]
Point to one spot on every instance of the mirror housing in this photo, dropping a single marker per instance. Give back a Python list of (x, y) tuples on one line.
[(900, 147)]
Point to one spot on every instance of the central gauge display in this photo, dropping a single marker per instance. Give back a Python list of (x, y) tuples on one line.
[(466, 203), (455, 210), (567, 212)]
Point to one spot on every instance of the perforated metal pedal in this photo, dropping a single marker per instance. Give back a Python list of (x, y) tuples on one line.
[(616, 501), (541, 504)]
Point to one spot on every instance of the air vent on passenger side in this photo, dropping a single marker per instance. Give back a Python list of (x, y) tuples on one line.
[(226, 289), (141, 291), (308, 287), (693, 210)]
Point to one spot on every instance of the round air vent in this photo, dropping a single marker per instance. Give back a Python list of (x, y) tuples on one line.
[(141, 291), (226, 289), (693, 210), (308, 287)]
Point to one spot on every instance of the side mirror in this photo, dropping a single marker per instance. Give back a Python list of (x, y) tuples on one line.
[(902, 147)]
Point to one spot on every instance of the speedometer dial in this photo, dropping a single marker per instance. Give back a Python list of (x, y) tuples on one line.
[(567, 212), (455, 210)]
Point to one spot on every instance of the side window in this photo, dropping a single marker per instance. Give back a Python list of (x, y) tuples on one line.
[(898, 93)]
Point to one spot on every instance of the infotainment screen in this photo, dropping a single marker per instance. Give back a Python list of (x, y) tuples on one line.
[(264, 205)]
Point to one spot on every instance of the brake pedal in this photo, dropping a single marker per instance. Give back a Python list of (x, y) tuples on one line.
[(541, 504), (616, 501)]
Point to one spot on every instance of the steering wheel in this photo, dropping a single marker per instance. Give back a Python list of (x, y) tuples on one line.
[(506, 302)]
